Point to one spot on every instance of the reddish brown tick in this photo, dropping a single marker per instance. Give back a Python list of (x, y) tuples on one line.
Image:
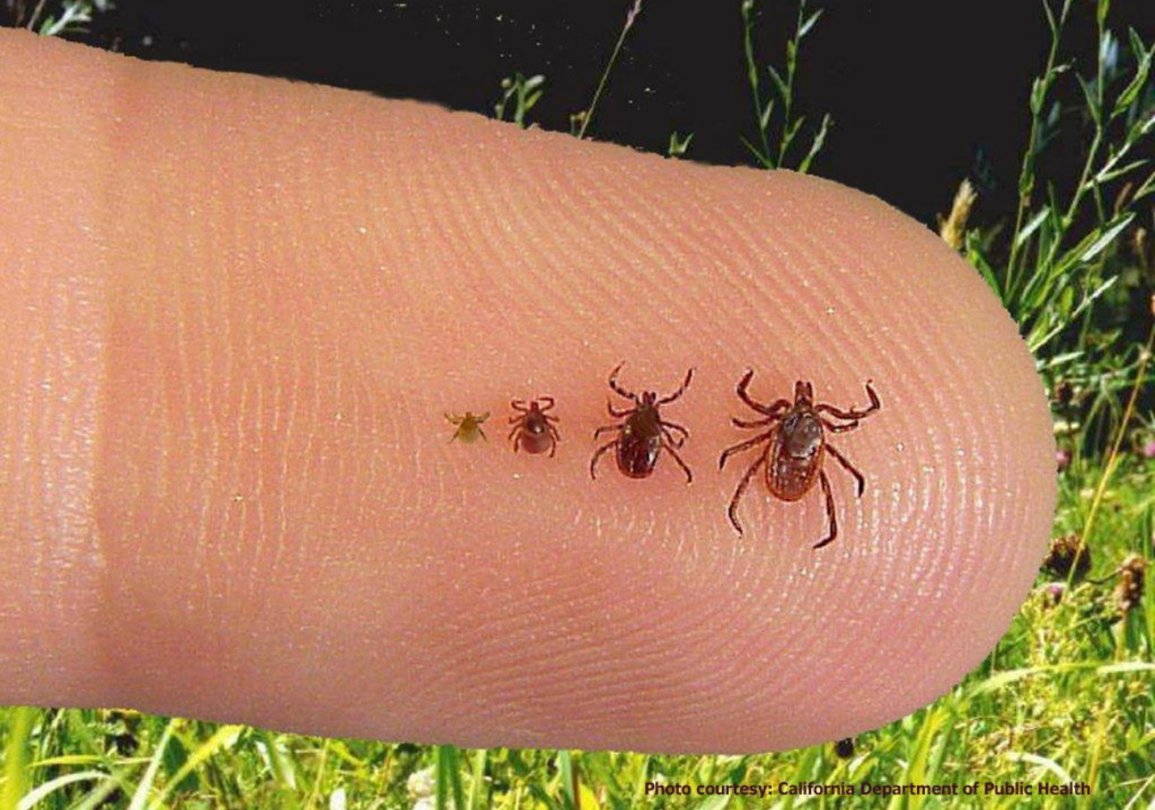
[(533, 428), (795, 447), (644, 434)]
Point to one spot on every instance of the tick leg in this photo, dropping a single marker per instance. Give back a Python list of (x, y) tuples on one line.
[(546, 399), (516, 428), (616, 414), (672, 426), (614, 383), (600, 452), (776, 409), (849, 468), (746, 445), (517, 443), (757, 423), (829, 510), (834, 427), (454, 420), (671, 441), (555, 438), (681, 389), (741, 490), (518, 405), (855, 413), (482, 432), (682, 464), (604, 428)]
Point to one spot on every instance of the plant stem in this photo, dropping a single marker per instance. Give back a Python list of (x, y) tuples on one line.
[(1113, 458), (630, 16)]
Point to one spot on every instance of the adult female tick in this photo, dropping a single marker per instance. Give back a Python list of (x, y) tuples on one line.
[(796, 446), (644, 434), (533, 428)]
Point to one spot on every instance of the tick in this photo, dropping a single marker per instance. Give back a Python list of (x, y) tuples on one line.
[(795, 439), (468, 426), (533, 428), (643, 434)]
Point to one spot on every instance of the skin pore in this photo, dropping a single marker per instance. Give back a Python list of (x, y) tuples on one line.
[(234, 312)]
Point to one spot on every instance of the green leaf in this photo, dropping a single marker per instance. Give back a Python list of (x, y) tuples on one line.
[(764, 121), (816, 144), (1105, 238), (448, 777), (1144, 189), (1038, 93), (790, 132), (1106, 175), (980, 263), (1142, 71), (780, 85), (1036, 342), (145, 786), (804, 29), (1091, 99), (1032, 225), (1051, 20), (757, 153)]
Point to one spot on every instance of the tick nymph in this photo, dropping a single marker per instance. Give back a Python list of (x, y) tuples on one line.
[(795, 439), (644, 434), (532, 428), (468, 426)]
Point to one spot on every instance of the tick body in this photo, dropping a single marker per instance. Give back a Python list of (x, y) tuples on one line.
[(643, 434), (794, 435), (468, 427), (533, 429)]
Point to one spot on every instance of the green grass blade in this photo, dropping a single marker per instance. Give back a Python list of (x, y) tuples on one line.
[(42, 792), (449, 777), (224, 737), (476, 799), (142, 790), (20, 722)]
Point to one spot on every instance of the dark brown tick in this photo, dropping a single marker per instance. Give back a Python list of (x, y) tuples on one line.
[(532, 428), (644, 434), (796, 445)]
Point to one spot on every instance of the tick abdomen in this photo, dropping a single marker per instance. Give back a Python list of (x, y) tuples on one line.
[(638, 451), (790, 478)]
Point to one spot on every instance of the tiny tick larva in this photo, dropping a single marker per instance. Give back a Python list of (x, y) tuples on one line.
[(796, 445), (644, 434), (468, 426), (533, 429)]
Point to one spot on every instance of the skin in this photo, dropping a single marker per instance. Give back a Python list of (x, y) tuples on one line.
[(234, 310)]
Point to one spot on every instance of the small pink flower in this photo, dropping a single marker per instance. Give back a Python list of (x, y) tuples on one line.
[(1148, 449), (1063, 459)]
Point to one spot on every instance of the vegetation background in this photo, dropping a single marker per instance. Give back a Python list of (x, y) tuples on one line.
[(1046, 110)]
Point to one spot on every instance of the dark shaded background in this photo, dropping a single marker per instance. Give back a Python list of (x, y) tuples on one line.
[(922, 94)]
